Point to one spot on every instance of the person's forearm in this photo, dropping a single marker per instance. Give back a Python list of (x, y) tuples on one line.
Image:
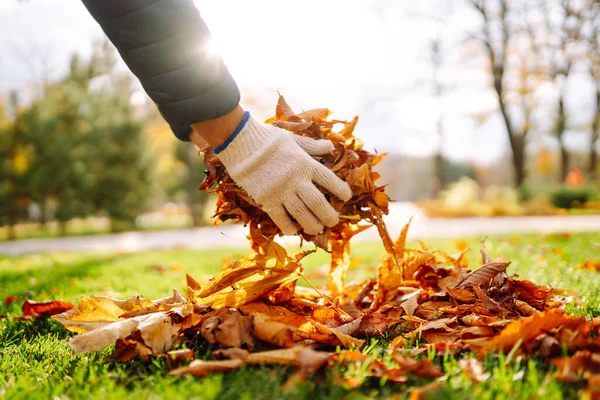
[(216, 131), (165, 44)]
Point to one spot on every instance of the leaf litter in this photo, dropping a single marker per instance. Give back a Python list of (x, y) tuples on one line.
[(253, 312)]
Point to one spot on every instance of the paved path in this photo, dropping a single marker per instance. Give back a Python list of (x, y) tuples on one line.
[(234, 236)]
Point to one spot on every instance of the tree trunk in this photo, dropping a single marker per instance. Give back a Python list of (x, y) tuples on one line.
[(440, 178), (192, 186), (62, 228), (517, 142), (11, 229), (518, 153), (12, 208), (43, 213), (593, 167), (560, 131), (594, 156), (564, 161)]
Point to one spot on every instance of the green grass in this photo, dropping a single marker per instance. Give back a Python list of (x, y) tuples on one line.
[(36, 362)]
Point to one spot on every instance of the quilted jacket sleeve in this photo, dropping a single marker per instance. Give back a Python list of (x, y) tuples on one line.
[(162, 42)]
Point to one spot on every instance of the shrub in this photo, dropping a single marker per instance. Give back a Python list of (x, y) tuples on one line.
[(567, 197)]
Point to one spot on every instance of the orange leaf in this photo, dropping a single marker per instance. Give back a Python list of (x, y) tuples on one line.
[(45, 308), (528, 328), (316, 115)]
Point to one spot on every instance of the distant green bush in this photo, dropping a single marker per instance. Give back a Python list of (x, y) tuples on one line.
[(568, 197)]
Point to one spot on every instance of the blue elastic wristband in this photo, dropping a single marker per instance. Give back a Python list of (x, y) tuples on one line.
[(237, 131)]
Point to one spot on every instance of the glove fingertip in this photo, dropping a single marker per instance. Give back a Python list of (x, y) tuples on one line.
[(345, 193)]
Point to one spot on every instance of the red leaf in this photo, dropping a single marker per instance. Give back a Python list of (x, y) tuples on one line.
[(45, 308)]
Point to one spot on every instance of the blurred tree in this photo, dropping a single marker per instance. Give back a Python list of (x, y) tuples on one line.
[(194, 165), (87, 152), (440, 180), (55, 129), (594, 71), (6, 138), (513, 64), (118, 176), (561, 40), (12, 166)]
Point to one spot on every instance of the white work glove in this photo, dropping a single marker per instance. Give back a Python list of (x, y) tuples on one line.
[(276, 169)]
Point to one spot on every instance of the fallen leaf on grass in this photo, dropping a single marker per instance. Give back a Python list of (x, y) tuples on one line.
[(423, 367), (305, 359), (589, 265), (202, 368), (578, 366), (483, 274), (473, 369), (528, 328), (255, 303), (39, 309), (422, 393)]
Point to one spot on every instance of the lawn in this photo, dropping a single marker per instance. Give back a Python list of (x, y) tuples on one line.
[(36, 361)]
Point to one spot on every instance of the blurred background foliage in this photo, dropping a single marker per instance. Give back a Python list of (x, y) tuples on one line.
[(82, 149), (86, 154)]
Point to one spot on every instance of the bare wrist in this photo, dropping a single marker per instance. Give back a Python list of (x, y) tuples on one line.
[(216, 131)]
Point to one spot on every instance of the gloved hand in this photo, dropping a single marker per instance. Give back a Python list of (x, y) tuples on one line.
[(276, 169)]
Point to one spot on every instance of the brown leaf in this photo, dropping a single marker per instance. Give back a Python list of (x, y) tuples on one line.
[(283, 109), (571, 369), (349, 128), (410, 303), (316, 115), (273, 332), (422, 393), (473, 369), (488, 302), (131, 347), (307, 360), (177, 357), (228, 328), (483, 274), (231, 353), (435, 337), (485, 259), (294, 126), (441, 323), (202, 368), (424, 367)]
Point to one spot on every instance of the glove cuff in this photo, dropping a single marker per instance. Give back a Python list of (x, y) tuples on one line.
[(247, 139)]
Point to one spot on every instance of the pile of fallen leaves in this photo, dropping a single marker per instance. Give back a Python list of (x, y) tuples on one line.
[(349, 161), (253, 311)]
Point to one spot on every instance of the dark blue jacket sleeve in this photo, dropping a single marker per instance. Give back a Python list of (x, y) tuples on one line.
[(163, 43)]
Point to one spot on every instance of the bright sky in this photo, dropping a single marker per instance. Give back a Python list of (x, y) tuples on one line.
[(352, 56)]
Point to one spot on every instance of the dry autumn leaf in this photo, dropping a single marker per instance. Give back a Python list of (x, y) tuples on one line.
[(255, 304), (526, 329), (473, 369)]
